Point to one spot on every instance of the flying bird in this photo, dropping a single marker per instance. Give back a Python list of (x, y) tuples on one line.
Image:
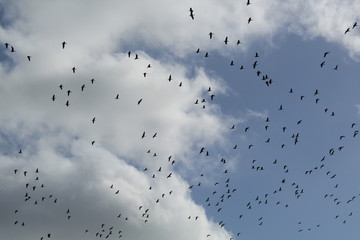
[(63, 44), (191, 13), (139, 101)]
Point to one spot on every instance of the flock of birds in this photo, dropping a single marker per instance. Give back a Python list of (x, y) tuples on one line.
[(35, 191)]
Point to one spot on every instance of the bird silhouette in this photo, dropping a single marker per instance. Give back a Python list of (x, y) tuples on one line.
[(191, 13)]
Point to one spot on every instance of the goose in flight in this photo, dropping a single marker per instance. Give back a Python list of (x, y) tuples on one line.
[(29, 57), (93, 120), (139, 101), (73, 69), (63, 44), (53, 97), (249, 20), (211, 34), (347, 30)]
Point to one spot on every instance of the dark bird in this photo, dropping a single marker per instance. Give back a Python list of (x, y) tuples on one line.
[(93, 120), (322, 64), (336, 67), (169, 78), (92, 81), (61, 86), (63, 44), (136, 56), (249, 20), (326, 53), (254, 64), (139, 101), (67, 103), (12, 49), (281, 107), (143, 135), (198, 50), (211, 35), (117, 96), (73, 69), (29, 57), (238, 42), (82, 87), (206, 54), (53, 97), (248, 2), (355, 24), (6, 45), (93, 142), (347, 30), (316, 92), (226, 40), (256, 54), (68, 92), (191, 13)]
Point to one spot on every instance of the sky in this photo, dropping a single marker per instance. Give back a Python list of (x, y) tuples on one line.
[(143, 125)]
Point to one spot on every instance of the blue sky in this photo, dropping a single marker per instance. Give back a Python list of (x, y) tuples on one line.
[(76, 179)]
